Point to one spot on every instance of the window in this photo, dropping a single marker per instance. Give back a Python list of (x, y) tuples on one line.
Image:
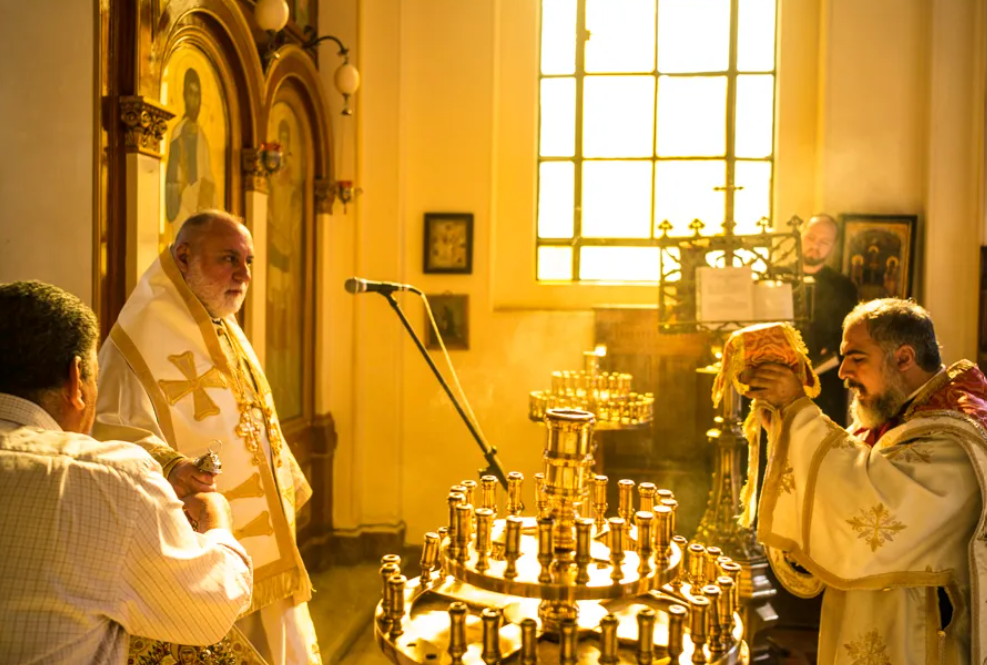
[(651, 110)]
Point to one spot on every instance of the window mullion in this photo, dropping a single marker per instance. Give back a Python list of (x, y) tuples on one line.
[(577, 204), (731, 119)]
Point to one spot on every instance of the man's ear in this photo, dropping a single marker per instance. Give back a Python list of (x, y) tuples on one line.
[(74, 385), (181, 254), (904, 358)]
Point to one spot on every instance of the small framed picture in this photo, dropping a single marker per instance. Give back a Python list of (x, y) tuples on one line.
[(452, 317), (877, 254), (448, 243)]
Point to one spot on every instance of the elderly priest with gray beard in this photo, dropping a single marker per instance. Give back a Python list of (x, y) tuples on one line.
[(178, 376), (886, 516)]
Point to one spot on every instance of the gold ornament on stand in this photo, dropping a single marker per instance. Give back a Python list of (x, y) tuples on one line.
[(559, 586)]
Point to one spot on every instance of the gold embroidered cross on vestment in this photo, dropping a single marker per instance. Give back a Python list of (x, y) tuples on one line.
[(876, 526), (176, 390)]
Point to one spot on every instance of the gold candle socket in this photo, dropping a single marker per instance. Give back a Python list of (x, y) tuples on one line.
[(469, 493), (645, 636), (489, 488), (568, 460), (387, 571), (512, 545), (625, 499), (541, 501), (676, 627), (681, 574), (515, 481), (696, 561), (457, 632), (646, 497), (697, 627), (726, 609), (430, 557), (712, 567), (453, 500), (546, 548), (484, 527), (617, 525), (600, 501), (584, 539), (464, 519), (396, 584), (491, 635), (714, 595), (567, 641), (645, 541), (608, 639), (674, 505), (529, 642), (662, 533), (733, 570)]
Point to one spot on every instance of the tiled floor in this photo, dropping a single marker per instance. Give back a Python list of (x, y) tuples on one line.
[(342, 609)]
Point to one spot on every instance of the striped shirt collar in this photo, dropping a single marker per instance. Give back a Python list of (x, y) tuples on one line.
[(24, 412)]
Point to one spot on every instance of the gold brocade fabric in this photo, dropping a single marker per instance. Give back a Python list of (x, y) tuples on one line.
[(777, 343)]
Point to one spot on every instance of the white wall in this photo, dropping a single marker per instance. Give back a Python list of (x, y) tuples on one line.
[(46, 115)]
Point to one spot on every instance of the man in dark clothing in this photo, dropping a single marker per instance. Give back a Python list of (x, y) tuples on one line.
[(834, 296)]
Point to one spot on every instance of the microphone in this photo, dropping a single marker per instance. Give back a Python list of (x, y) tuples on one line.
[(355, 285)]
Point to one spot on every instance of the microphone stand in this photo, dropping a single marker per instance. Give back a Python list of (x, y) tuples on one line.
[(489, 452)]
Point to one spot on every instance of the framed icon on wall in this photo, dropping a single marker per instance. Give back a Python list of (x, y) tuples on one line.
[(448, 245), (878, 254)]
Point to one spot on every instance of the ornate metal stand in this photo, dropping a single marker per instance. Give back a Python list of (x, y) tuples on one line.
[(558, 586)]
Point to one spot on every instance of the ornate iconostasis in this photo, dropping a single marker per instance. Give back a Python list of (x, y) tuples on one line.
[(202, 109)]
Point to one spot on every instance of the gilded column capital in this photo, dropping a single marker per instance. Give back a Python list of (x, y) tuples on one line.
[(146, 122), (325, 193), (254, 174)]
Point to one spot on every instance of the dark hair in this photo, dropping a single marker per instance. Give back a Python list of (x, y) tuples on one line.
[(42, 330), (893, 323)]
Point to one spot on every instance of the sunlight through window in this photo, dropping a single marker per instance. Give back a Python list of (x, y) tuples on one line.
[(650, 110)]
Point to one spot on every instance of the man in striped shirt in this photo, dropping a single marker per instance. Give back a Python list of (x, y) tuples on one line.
[(94, 543)]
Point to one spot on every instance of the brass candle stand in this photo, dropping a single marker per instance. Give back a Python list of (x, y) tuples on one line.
[(560, 585)]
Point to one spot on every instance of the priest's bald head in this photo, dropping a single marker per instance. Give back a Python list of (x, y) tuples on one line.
[(214, 252)]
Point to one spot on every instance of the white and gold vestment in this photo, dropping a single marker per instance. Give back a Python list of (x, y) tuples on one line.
[(882, 529), (176, 381)]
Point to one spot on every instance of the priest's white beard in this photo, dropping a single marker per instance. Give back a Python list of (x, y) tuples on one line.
[(214, 296), (874, 410)]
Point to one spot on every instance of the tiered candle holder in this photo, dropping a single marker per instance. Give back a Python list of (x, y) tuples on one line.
[(608, 396), (560, 585)]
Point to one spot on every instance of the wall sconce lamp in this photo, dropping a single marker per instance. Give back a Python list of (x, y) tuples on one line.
[(271, 157), (272, 16)]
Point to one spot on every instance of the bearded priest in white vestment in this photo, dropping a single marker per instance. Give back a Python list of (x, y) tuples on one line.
[(178, 376), (888, 515)]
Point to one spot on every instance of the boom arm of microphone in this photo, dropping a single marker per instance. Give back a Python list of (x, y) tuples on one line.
[(494, 467)]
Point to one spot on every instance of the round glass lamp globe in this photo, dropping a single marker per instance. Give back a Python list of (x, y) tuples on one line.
[(347, 79), (271, 15)]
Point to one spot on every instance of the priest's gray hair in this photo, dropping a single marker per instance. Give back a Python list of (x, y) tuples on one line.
[(893, 323), (42, 330), (194, 226)]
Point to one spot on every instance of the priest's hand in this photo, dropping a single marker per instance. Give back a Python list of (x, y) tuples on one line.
[(208, 510), (187, 479), (772, 383)]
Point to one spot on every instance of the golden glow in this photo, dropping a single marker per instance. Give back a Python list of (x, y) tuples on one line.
[(618, 116), (558, 36), (684, 191), (556, 188), (693, 36), (617, 199), (692, 116), (756, 36), (622, 36), (755, 102), (753, 201), (620, 264), (558, 117), (555, 264)]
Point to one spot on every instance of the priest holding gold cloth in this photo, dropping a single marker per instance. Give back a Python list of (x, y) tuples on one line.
[(180, 378), (887, 516)]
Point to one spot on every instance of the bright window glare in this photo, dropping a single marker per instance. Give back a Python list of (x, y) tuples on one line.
[(622, 264), (753, 201), (617, 199), (618, 116), (692, 116), (756, 36), (622, 36), (558, 36), (684, 192), (558, 117), (555, 264), (556, 187), (693, 36), (755, 98)]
